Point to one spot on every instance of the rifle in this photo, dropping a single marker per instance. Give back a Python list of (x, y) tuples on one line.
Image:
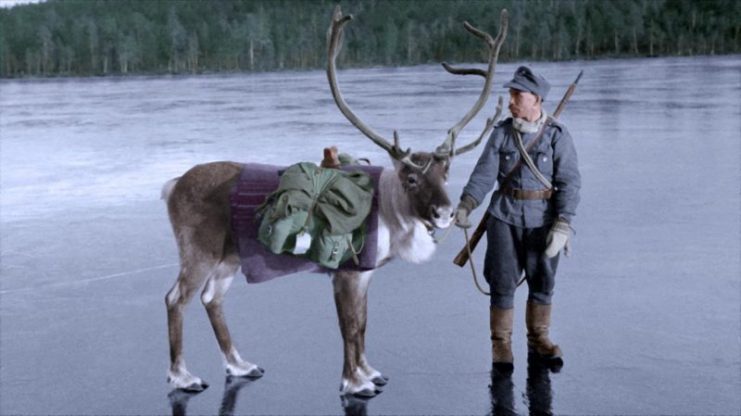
[(462, 256)]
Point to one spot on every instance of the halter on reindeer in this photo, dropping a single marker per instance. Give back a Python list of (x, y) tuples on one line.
[(412, 202)]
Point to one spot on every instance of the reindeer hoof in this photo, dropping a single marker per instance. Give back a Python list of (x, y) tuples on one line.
[(186, 382), (254, 372), (364, 389), (380, 380), (366, 392), (195, 387)]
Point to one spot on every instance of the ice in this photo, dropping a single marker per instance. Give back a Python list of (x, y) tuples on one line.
[(647, 310)]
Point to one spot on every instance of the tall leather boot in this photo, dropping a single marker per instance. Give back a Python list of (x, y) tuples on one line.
[(538, 320), (501, 339)]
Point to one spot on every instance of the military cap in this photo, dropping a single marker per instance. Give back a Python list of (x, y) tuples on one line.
[(527, 80)]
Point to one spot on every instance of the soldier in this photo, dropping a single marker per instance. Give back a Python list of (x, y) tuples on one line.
[(530, 212)]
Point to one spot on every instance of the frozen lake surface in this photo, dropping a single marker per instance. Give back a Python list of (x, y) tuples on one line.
[(647, 310)]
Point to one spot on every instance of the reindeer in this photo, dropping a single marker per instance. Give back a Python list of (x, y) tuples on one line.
[(412, 202)]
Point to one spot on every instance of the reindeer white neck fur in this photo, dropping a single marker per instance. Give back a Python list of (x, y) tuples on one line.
[(406, 235)]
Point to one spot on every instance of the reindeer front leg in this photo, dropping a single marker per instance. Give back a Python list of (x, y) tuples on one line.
[(374, 375), (350, 289)]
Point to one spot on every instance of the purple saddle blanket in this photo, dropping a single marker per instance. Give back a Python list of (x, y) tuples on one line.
[(255, 183)]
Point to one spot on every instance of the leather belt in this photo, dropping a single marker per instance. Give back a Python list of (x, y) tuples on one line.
[(527, 194)]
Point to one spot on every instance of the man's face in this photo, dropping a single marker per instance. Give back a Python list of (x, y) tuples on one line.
[(524, 105)]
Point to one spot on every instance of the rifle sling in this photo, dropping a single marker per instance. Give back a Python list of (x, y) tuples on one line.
[(524, 154), (529, 161)]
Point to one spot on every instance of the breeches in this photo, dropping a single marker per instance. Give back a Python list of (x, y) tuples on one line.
[(509, 251)]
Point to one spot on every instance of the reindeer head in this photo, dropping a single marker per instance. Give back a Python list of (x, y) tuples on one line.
[(423, 175), (425, 189)]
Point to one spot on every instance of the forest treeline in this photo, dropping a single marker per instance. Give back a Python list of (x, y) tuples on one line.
[(101, 37)]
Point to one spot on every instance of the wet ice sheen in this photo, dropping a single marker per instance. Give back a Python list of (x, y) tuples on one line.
[(646, 311)]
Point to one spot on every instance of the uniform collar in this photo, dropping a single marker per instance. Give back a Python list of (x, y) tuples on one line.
[(524, 126)]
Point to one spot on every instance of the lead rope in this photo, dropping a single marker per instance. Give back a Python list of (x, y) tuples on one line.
[(473, 268)]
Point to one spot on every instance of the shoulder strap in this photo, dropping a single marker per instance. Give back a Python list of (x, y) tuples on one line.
[(529, 162), (525, 157)]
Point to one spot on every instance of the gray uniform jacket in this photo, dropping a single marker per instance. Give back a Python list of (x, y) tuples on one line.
[(555, 157)]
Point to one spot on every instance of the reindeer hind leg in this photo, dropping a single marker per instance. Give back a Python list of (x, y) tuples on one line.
[(212, 297), (189, 280)]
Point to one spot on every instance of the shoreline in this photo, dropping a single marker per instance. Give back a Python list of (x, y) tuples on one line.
[(114, 76)]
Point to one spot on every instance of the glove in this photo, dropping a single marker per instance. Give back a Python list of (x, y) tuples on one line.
[(461, 217), (558, 239), (465, 207)]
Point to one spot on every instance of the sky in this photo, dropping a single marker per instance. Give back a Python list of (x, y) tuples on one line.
[(11, 3)]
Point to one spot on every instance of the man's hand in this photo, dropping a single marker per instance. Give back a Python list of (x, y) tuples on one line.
[(558, 239), (465, 207), (461, 218)]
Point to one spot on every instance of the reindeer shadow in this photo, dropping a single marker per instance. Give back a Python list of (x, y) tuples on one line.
[(351, 405), (354, 406), (232, 386), (179, 401)]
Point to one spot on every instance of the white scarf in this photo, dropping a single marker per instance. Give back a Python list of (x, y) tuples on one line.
[(524, 126)]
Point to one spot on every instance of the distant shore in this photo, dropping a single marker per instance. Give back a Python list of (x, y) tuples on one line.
[(125, 37), (289, 70)]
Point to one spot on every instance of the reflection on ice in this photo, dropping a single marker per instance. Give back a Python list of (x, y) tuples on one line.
[(539, 390), (232, 388), (355, 406), (538, 395), (179, 401)]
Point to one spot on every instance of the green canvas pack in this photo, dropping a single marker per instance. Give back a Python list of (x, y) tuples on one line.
[(327, 207)]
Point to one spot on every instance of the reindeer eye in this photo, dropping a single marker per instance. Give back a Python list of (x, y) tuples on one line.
[(412, 179)]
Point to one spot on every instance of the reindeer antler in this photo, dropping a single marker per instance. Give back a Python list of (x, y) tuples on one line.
[(447, 149), (448, 146), (489, 125), (334, 41)]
